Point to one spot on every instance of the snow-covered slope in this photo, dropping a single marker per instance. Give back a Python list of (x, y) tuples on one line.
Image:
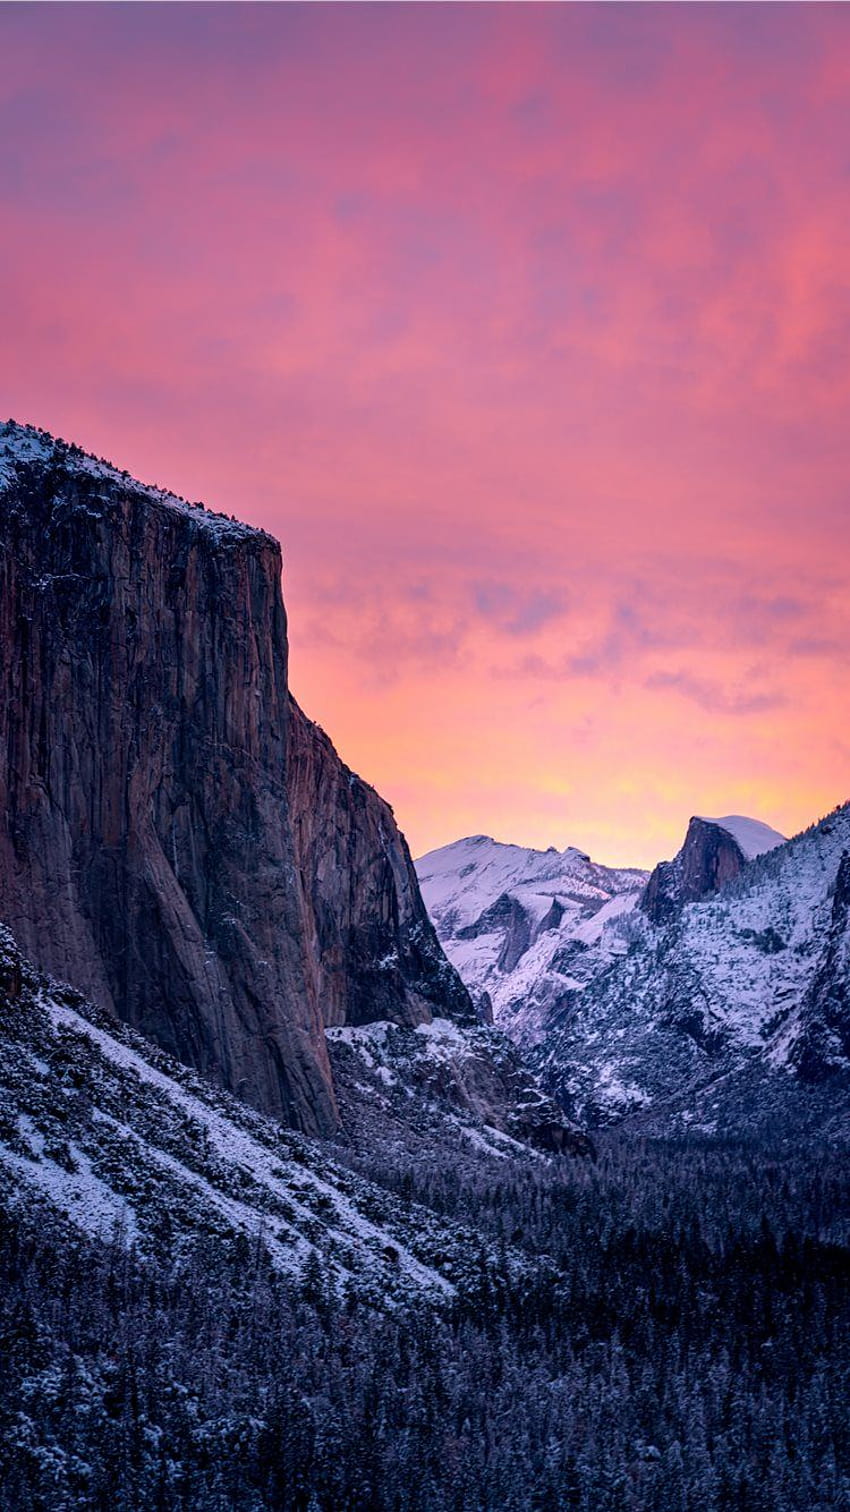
[(732, 983), (113, 1136), (526, 929)]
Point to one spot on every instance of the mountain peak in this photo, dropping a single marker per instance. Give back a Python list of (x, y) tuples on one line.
[(715, 851), (753, 836)]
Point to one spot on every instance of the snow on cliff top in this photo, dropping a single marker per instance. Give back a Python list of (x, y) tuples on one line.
[(22, 444), (753, 837)]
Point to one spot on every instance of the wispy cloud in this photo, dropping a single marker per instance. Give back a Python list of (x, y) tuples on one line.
[(717, 698)]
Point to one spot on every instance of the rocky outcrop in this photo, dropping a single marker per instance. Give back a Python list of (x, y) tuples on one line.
[(709, 858), (375, 953), (175, 839), (823, 1044), (507, 917), (395, 1081)]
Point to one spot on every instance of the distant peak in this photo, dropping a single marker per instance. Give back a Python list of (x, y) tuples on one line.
[(573, 850), (753, 836)]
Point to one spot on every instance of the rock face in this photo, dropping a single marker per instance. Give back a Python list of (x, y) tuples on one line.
[(462, 1084), (175, 838), (375, 951), (714, 853), (823, 1046)]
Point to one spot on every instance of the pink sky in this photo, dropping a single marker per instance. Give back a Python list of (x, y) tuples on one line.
[(526, 329)]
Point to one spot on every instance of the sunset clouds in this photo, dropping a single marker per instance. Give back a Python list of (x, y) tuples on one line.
[(526, 329)]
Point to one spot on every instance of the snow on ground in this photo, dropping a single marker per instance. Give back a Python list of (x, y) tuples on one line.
[(116, 1136), (70, 1184), (507, 917), (250, 1157)]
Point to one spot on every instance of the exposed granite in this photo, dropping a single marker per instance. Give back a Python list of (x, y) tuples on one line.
[(175, 838), (823, 1045), (709, 858), (375, 950)]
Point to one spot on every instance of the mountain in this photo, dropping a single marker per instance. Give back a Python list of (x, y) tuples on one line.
[(107, 1135), (526, 929), (441, 1085), (433, 1306), (728, 1012), (176, 838), (200, 1309), (714, 995), (714, 853)]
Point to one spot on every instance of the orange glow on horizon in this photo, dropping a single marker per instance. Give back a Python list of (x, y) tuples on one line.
[(525, 329)]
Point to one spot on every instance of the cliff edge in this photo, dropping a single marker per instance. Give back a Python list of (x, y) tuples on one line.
[(176, 839)]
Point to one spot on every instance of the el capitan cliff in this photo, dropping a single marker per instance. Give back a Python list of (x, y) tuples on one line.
[(176, 838)]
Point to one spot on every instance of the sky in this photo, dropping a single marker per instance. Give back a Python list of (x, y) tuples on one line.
[(526, 329)]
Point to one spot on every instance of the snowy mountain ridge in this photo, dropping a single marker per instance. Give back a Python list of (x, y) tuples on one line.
[(525, 928), (713, 992), (727, 993)]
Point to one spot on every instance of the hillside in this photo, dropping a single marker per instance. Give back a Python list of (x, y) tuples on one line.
[(730, 1013)]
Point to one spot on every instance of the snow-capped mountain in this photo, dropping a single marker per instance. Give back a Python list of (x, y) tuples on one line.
[(714, 853), (715, 993), (725, 1006), (526, 929), (753, 836)]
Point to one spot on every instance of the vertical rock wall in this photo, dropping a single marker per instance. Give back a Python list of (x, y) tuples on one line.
[(176, 840)]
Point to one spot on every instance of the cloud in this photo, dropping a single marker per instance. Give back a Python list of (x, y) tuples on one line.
[(519, 611), (522, 327), (717, 698)]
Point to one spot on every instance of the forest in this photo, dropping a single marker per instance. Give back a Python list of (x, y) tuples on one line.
[(661, 1328)]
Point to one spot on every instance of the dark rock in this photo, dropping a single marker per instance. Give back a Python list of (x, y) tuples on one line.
[(823, 1046), (709, 858), (175, 838), (508, 916), (374, 949), (479, 1074), (484, 1005), (552, 918)]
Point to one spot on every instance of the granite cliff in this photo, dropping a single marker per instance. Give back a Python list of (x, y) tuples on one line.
[(176, 839), (715, 852), (372, 944)]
